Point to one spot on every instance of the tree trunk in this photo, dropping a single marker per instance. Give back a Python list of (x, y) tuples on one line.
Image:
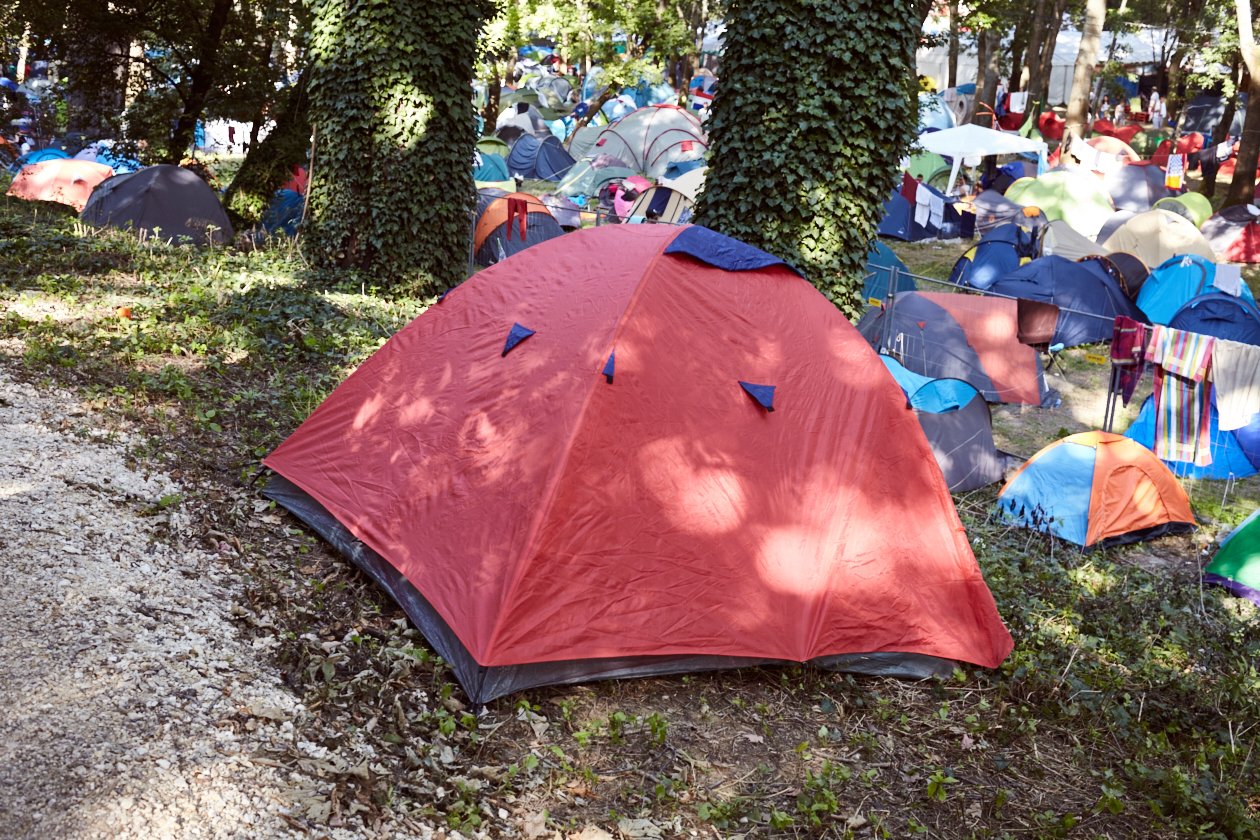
[(203, 80), (391, 197), (1031, 76), (953, 44), (1054, 20), (24, 49), (1219, 135), (772, 124), (987, 78), (1078, 102), (268, 163), (977, 115), (1242, 187)]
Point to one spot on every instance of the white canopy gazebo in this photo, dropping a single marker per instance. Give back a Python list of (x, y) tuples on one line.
[(974, 141)]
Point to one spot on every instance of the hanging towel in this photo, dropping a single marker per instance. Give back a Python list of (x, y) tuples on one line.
[(1018, 102), (922, 208), (1182, 431), (1228, 279), (936, 209), (518, 208), (909, 187), (1236, 377), (1128, 355)]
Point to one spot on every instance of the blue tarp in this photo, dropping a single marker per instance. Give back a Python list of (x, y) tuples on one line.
[(284, 214)]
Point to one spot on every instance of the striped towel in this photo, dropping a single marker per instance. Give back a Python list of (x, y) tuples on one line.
[(1182, 417)]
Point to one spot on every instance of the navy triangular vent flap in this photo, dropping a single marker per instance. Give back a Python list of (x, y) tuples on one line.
[(514, 337), (763, 394)]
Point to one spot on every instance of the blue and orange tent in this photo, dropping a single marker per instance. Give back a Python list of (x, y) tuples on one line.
[(1096, 489)]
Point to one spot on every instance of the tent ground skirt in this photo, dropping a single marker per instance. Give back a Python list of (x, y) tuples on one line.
[(484, 684)]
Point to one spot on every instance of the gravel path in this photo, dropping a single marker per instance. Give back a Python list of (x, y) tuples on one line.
[(130, 704)]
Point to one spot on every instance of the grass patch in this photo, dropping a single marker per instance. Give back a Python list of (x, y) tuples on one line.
[(1126, 710)]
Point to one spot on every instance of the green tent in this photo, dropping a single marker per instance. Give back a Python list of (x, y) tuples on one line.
[(1074, 196), (494, 146), (925, 165), (1194, 206), (1236, 565), (1146, 142)]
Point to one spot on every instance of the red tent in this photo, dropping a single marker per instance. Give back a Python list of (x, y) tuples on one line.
[(642, 449), (1187, 144)]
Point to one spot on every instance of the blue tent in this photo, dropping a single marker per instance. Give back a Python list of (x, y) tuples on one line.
[(1174, 282), (490, 168), (1088, 298), (543, 159), (1219, 315), (998, 253), (880, 263), (37, 156), (284, 214), (957, 424), (898, 219), (1229, 458)]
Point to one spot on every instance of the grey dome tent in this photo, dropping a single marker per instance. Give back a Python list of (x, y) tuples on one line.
[(958, 426), (543, 159), (166, 201)]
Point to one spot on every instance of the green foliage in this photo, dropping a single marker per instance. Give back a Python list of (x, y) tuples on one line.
[(392, 190), (269, 163), (810, 122)]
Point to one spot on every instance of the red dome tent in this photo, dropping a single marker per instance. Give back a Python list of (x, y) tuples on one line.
[(642, 449)]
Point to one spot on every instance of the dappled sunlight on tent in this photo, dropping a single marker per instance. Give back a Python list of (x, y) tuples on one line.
[(706, 498), (599, 496)]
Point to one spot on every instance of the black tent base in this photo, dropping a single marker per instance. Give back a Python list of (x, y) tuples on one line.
[(483, 684)]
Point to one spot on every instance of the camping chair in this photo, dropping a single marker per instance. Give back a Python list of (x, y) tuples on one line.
[(1036, 322)]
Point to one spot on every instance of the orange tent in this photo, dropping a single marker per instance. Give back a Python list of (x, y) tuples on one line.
[(63, 180), (1096, 489)]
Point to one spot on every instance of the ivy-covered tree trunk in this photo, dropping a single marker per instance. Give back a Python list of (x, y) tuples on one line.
[(391, 185), (813, 115), (269, 163)]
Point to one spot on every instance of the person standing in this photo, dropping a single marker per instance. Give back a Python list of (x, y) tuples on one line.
[(1155, 108)]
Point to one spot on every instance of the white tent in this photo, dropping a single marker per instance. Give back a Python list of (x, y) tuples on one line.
[(975, 141), (1147, 46)]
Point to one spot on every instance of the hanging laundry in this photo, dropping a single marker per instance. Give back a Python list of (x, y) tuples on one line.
[(1018, 102), (1128, 355), (909, 187), (1181, 406), (922, 208), (936, 209), (1236, 377), (1228, 279)]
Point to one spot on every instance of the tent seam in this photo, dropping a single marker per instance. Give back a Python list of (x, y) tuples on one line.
[(553, 481)]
